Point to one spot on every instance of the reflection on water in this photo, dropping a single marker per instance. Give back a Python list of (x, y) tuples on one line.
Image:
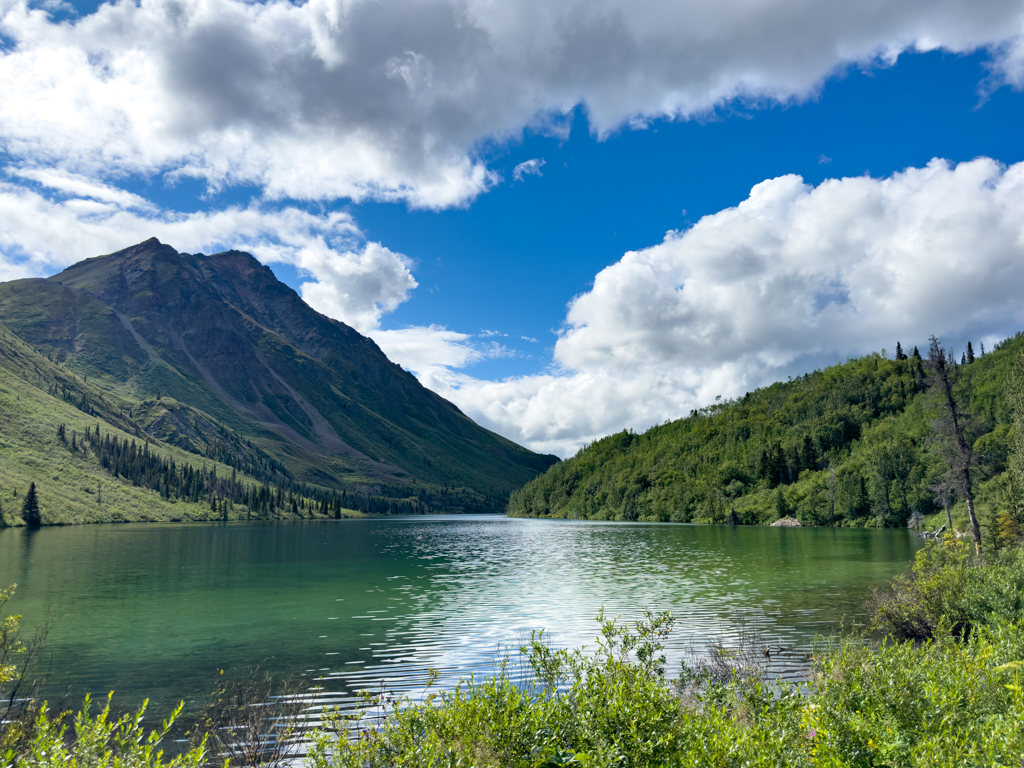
[(155, 610)]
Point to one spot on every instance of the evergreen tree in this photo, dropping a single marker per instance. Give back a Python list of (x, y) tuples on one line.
[(916, 353), (900, 355), (963, 359), (30, 508), (808, 456), (970, 353)]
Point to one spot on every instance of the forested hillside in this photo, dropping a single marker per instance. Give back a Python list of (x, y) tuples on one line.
[(850, 445)]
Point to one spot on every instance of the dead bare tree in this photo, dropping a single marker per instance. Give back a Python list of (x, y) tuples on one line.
[(254, 721), (951, 430)]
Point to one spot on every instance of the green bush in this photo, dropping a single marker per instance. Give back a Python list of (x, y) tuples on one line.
[(941, 703), (609, 708), (948, 586), (102, 741), (944, 703)]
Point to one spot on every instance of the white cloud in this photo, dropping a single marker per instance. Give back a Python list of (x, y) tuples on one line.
[(358, 99), (792, 278), (357, 286), (424, 349), (433, 352), (528, 168), (41, 233), (83, 187)]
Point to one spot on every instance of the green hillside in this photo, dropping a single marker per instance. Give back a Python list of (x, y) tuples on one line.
[(851, 445), (92, 461), (214, 356), (73, 487)]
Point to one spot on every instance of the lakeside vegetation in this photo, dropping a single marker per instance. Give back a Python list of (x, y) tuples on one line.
[(854, 444), (947, 702)]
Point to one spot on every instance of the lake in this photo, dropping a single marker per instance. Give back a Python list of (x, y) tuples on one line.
[(154, 610)]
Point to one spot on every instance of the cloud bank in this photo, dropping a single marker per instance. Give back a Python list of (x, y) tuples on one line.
[(392, 101), (792, 278)]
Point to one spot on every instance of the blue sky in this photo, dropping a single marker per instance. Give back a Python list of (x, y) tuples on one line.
[(597, 199), (368, 152)]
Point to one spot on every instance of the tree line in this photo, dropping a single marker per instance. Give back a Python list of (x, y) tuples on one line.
[(229, 496)]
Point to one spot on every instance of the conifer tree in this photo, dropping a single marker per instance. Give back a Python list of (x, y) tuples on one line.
[(916, 353), (30, 508), (970, 353), (899, 352)]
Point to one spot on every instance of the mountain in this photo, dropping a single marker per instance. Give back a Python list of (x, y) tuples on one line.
[(214, 356), (850, 445)]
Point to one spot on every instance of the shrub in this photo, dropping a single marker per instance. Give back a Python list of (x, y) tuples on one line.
[(940, 703), (96, 742), (611, 707), (949, 586)]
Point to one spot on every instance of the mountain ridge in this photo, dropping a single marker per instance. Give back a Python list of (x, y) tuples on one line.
[(228, 344)]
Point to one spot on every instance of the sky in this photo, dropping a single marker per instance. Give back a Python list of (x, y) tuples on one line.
[(569, 219)]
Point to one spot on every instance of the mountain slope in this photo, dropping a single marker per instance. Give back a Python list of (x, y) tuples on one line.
[(848, 445), (73, 486), (240, 352)]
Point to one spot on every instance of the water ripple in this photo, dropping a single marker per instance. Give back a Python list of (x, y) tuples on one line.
[(156, 610)]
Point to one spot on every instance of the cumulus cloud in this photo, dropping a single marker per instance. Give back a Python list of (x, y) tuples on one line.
[(357, 286), (528, 168), (357, 99), (426, 348), (792, 278)]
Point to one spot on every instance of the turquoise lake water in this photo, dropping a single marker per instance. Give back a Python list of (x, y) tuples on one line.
[(153, 610)]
